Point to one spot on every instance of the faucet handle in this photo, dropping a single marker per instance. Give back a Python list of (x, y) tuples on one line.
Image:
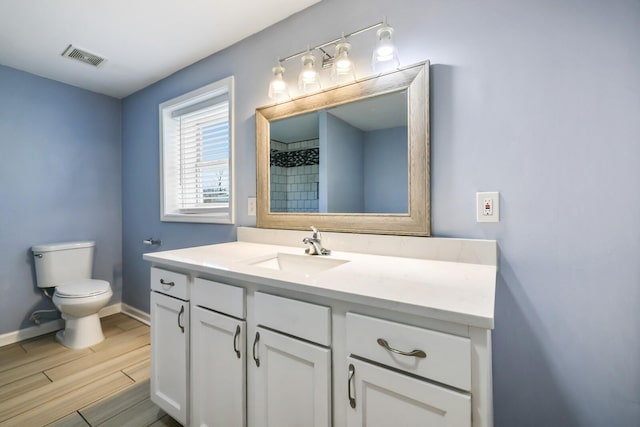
[(316, 233)]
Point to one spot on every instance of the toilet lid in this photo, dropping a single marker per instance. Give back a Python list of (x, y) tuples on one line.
[(82, 288)]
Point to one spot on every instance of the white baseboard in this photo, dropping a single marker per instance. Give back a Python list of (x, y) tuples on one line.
[(136, 314), (110, 309), (30, 332), (55, 325)]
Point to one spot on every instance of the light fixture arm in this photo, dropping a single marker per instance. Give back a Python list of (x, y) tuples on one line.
[(326, 57)]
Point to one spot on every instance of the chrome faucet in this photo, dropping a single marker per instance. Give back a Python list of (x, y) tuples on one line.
[(315, 244)]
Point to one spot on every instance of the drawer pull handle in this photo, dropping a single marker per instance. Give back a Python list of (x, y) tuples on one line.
[(179, 317), (352, 371), (415, 353), (236, 337), (166, 284), (255, 344)]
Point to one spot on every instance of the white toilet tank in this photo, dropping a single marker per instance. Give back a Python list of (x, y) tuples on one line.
[(57, 263)]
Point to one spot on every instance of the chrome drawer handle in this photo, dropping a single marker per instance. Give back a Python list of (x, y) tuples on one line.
[(255, 344), (236, 337), (179, 316), (166, 284), (415, 353), (352, 371)]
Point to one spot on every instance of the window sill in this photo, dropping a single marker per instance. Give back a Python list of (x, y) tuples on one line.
[(210, 218)]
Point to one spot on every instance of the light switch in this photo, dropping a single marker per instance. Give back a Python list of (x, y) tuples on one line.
[(488, 207), (251, 206)]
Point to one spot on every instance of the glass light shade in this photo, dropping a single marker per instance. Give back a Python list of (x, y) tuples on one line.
[(308, 79), (385, 54), (342, 70), (277, 86)]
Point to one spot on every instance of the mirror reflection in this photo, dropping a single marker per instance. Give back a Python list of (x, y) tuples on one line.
[(352, 158)]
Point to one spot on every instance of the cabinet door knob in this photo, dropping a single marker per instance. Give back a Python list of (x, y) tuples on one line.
[(255, 345), (415, 353), (236, 340), (180, 318), (352, 371)]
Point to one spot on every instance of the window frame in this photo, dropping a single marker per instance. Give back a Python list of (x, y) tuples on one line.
[(169, 209)]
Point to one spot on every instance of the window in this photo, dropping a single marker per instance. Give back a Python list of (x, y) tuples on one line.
[(196, 147)]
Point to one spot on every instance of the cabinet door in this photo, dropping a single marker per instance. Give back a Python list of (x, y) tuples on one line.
[(218, 370), (292, 381), (170, 354), (380, 397)]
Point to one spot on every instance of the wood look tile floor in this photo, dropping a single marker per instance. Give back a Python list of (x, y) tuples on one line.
[(43, 383)]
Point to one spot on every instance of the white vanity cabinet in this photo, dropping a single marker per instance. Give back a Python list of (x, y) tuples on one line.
[(292, 376), (403, 389), (170, 342), (218, 355), (376, 341)]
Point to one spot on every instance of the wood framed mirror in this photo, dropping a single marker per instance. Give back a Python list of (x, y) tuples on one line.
[(353, 158)]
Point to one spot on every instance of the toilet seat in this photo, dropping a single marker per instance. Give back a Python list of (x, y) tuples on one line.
[(82, 288)]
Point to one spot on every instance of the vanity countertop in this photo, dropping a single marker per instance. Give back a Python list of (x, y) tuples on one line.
[(458, 292)]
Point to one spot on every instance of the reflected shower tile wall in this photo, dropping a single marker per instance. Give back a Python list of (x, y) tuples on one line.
[(278, 189), (294, 176)]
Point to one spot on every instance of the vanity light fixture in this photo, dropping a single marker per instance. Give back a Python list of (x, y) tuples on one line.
[(385, 58), (277, 86), (308, 79), (385, 54)]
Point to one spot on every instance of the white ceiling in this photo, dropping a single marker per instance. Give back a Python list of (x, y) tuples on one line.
[(142, 40)]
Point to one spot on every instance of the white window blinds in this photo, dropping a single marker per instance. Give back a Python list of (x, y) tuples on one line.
[(200, 141), (197, 152)]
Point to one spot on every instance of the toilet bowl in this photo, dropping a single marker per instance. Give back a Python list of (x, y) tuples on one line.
[(67, 268), (79, 302)]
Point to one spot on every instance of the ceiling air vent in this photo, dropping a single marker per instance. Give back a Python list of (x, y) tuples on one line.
[(83, 56)]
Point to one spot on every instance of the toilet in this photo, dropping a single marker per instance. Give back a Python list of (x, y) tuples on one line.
[(67, 267)]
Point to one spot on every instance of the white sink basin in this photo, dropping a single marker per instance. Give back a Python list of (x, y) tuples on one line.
[(303, 264)]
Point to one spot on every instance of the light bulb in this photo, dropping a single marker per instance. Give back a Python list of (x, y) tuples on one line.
[(384, 51), (343, 64), (279, 85)]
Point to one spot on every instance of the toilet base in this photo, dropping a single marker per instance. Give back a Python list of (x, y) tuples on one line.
[(80, 332)]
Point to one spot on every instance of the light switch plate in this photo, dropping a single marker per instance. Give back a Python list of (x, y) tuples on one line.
[(251, 206), (488, 206)]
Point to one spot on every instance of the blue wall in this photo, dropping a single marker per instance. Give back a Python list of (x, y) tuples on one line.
[(60, 180), (341, 185), (538, 100), (385, 171)]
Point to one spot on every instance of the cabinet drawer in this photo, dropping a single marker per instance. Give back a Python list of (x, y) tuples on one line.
[(301, 319), (219, 297), (170, 283), (448, 357)]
